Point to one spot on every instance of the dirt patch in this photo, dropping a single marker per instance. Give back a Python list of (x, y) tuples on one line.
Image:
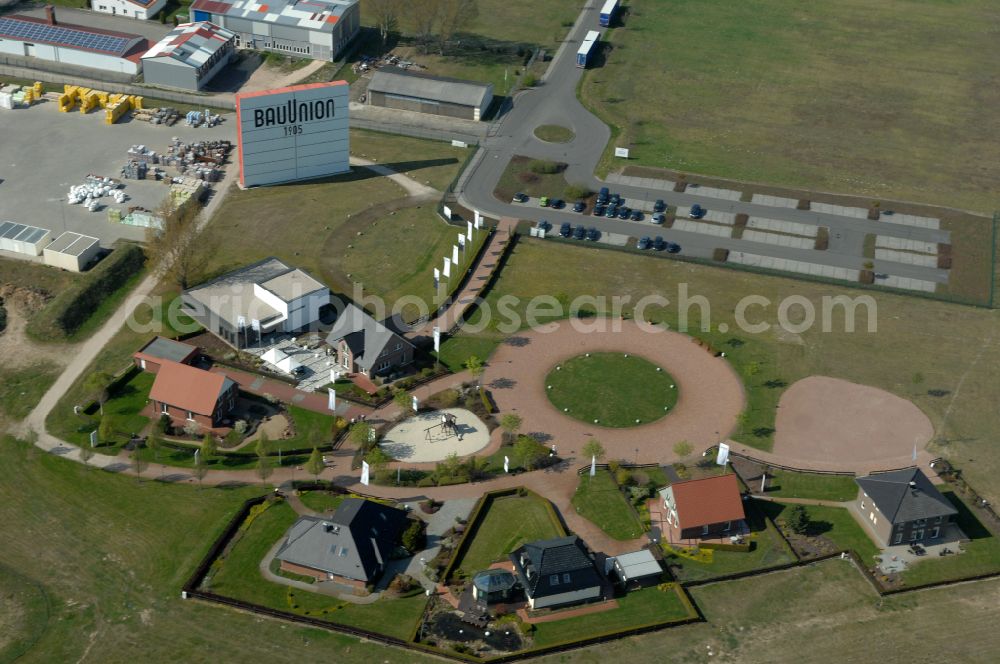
[(17, 350)]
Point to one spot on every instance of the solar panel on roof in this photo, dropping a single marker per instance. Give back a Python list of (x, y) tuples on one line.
[(59, 34), (5, 226), (13, 230)]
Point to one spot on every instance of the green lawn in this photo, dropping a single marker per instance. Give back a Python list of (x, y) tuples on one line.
[(599, 500), (769, 550), (841, 528), (122, 408), (804, 94), (980, 555), (649, 606), (239, 577), (456, 350), (611, 389), (321, 501), (518, 177), (509, 522), (554, 133), (790, 484), (433, 163), (24, 614), (20, 389)]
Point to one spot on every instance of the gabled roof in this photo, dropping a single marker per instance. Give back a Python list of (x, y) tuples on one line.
[(538, 562), (68, 35), (396, 81), (191, 44), (354, 543), (905, 495), (188, 388), (161, 348), (708, 501), (365, 336)]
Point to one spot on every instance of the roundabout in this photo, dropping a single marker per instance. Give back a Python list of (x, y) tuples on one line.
[(709, 395), (615, 390)]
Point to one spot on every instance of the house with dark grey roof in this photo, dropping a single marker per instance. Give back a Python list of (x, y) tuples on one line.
[(353, 546), (556, 572), (160, 349), (366, 346), (406, 90), (902, 506)]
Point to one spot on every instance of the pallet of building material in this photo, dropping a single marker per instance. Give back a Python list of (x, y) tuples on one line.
[(135, 170)]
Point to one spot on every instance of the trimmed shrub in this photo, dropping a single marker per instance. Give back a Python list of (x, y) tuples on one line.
[(544, 167), (804, 204), (720, 255), (573, 192)]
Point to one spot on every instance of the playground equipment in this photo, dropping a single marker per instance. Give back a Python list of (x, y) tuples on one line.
[(447, 425)]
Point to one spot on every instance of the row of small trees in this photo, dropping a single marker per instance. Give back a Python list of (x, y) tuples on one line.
[(433, 21)]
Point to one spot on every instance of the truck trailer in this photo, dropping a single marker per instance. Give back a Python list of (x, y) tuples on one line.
[(608, 12), (586, 48)]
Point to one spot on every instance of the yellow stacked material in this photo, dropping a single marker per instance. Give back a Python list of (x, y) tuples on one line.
[(66, 102), (102, 98), (37, 88), (137, 103), (29, 96), (115, 111), (90, 100)]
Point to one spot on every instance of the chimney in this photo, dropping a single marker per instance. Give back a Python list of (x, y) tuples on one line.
[(50, 14)]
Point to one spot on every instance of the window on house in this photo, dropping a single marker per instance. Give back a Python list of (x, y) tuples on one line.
[(554, 580), (729, 524), (899, 538), (938, 520), (913, 536), (399, 346), (862, 504), (190, 416), (165, 409), (704, 530), (921, 522), (935, 533), (566, 577)]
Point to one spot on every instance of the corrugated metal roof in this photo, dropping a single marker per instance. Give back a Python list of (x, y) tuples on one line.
[(320, 15), (396, 81), (191, 44)]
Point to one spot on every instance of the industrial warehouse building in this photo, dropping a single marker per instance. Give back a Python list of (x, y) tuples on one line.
[(47, 39), (21, 239), (316, 29), (189, 56), (140, 9), (72, 251), (393, 87)]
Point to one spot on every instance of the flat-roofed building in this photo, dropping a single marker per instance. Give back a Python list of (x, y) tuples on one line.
[(72, 251), (392, 87)]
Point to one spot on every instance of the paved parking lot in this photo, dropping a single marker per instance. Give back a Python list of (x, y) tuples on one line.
[(43, 152)]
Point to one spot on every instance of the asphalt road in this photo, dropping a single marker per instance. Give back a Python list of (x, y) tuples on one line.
[(555, 102)]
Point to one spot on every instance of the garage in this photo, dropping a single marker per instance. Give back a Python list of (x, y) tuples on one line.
[(392, 87)]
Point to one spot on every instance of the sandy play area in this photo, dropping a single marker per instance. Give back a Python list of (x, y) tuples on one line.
[(411, 441)]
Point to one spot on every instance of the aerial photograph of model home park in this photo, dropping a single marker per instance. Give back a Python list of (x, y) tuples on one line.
[(499, 330)]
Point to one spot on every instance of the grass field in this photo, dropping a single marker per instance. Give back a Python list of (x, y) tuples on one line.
[(554, 133), (932, 353), (642, 607), (20, 389), (433, 163), (321, 501), (846, 97), (789, 484), (510, 522), (840, 527), (24, 614), (611, 390), (519, 177), (599, 500), (239, 576)]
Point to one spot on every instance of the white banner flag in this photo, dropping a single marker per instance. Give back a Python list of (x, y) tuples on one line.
[(447, 268), (461, 241), (364, 473), (416, 405), (331, 399), (506, 464), (723, 455), (447, 212), (93, 438), (454, 254), (437, 275), (479, 219), (437, 339), (593, 465), (468, 228)]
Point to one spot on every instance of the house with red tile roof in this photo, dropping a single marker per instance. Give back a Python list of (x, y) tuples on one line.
[(188, 394), (708, 508)]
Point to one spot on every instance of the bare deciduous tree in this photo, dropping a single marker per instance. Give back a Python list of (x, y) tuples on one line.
[(453, 16), (386, 14), (172, 250)]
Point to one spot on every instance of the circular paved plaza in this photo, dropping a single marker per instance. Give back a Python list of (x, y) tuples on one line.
[(710, 393), (421, 438)]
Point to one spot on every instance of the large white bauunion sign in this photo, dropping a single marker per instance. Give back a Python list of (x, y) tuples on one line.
[(294, 133)]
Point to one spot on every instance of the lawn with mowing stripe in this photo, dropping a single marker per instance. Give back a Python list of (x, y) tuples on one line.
[(599, 500), (322, 501), (611, 389), (791, 484), (510, 521)]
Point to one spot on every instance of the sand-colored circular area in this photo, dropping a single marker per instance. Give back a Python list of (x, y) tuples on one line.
[(408, 440), (824, 420), (711, 394)]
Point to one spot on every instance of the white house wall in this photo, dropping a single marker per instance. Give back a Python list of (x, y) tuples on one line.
[(271, 300), (305, 310), (566, 598), (124, 8)]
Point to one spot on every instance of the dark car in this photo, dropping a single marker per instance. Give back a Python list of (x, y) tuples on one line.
[(557, 203), (599, 210), (673, 247), (643, 243), (612, 212), (659, 205), (300, 371), (636, 215), (579, 233), (624, 212), (615, 199), (544, 225), (520, 198), (659, 244), (697, 211), (658, 218), (621, 200), (593, 234), (565, 230), (579, 206), (602, 195)]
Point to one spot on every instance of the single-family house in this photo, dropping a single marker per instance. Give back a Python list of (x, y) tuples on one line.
[(188, 394), (366, 346), (707, 508), (248, 306), (902, 506), (140, 9), (556, 572), (351, 547), (160, 349)]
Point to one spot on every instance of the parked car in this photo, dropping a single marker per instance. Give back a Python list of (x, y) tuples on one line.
[(520, 197), (673, 247), (615, 199), (599, 210), (612, 212), (658, 218), (603, 194), (636, 215), (579, 206), (299, 371), (643, 243), (697, 211), (579, 233), (544, 225), (544, 201), (557, 203), (659, 206), (659, 244), (565, 230), (881, 275), (593, 234), (624, 212)]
